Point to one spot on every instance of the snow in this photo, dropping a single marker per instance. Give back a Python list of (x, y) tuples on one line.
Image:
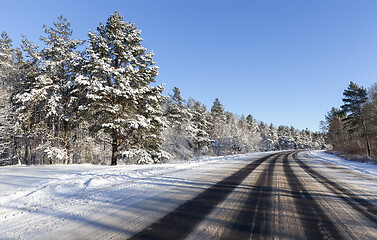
[(38, 200), (42, 202), (367, 168), (359, 178)]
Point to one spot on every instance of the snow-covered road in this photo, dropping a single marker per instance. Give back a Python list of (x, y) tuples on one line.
[(106, 202)]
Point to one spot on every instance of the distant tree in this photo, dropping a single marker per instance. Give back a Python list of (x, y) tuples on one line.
[(218, 119), (252, 124), (177, 114), (201, 126), (336, 132), (179, 134)]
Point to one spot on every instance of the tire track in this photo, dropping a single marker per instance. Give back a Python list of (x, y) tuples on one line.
[(359, 204), (180, 222), (255, 218), (316, 223)]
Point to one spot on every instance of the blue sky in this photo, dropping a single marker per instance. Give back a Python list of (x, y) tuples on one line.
[(284, 62)]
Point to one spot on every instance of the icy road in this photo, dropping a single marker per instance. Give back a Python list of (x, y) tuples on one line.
[(284, 195)]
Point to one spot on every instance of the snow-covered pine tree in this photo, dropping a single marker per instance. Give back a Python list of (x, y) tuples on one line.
[(252, 125), (115, 80), (51, 94), (177, 114), (244, 134), (266, 143), (232, 140), (202, 125), (285, 139), (253, 133), (7, 116), (6, 57), (217, 133), (306, 138), (179, 135), (273, 134), (218, 119), (144, 140), (25, 98)]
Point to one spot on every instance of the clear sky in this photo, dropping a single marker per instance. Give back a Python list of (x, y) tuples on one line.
[(284, 62)]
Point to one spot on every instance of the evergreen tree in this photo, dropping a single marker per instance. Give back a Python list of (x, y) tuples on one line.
[(180, 134), (253, 132), (115, 81), (177, 114), (336, 132), (354, 98), (201, 121), (6, 58), (218, 120), (49, 89), (7, 115), (252, 124)]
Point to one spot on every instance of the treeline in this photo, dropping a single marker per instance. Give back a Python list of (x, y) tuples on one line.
[(192, 130), (60, 104), (352, 128)]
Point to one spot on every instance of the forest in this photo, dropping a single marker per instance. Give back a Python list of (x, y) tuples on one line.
[(97, 101)]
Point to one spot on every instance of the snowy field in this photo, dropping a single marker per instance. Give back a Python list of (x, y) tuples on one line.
[(37, 201)]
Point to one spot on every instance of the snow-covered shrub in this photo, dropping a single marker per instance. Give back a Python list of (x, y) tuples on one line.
[(55, 155), (161, 156), (139, 156)]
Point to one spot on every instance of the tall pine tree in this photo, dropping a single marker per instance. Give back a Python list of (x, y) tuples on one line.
[(7, 116), (354, 98), (50, 92), (115, 80)]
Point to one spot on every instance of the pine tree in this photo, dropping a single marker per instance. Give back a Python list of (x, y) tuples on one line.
[(218, 120), (115, 80), (253, 132), (177, 113), (7, 115), (354, 98), (335, 134), (202, 125), (180, 133), (50, 92), (252, 124), (6, 58)]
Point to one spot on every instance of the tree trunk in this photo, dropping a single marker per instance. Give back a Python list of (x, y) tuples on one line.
[(26, 155), (114, 148), (366, 138), (368, 145), (67, 158)]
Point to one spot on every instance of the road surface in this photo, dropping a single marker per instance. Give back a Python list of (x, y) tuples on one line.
[(283, 195)]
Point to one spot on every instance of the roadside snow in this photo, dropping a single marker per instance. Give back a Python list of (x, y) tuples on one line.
[(359, 178), (366, 168), (38, 200)]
